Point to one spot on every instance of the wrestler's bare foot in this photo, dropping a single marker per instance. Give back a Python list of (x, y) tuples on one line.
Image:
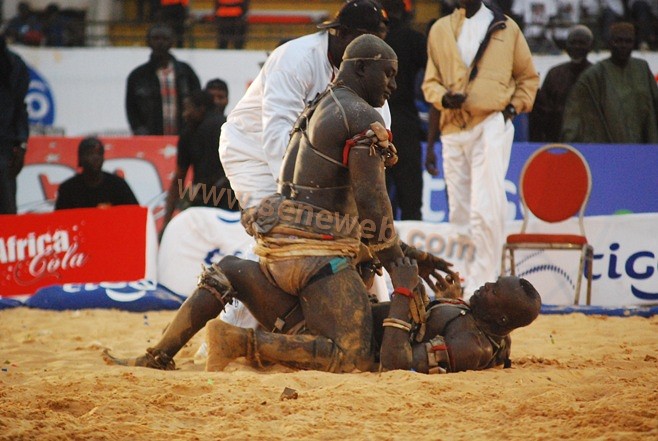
[(152, 359), (225, 343)]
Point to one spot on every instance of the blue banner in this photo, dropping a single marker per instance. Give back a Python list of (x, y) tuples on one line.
[(624, 180)]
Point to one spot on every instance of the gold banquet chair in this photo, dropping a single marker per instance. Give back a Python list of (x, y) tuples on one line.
[(555, 185)]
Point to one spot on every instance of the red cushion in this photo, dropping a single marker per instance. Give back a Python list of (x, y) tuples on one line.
[(547, 238), (555, 184)]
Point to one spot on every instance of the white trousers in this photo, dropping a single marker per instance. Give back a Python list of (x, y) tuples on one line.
[(246, 167), (475, 164)]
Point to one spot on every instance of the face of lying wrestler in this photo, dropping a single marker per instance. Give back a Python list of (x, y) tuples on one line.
[(379, 81), (504, 303)]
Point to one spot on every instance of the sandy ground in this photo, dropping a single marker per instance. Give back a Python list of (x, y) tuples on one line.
[(574, 377)]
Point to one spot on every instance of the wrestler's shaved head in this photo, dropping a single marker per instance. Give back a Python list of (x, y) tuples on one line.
[(369, 47)]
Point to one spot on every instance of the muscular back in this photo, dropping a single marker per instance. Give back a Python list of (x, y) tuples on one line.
[(324, 130)]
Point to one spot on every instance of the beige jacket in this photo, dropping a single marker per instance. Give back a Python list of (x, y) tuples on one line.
[(505, 72)]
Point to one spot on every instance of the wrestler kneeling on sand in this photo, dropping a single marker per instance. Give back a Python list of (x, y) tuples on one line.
[(334, 190)]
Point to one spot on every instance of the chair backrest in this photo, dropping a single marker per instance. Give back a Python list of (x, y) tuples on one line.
[(555, 184)]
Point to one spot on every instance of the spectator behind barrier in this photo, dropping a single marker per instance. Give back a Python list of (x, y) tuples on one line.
[(155, 90), (616, 100), (546, 116), (93, 187)]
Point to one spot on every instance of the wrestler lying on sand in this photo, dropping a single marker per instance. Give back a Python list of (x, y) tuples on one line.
[(458, 336)]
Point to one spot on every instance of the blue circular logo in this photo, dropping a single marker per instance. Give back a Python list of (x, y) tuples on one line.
[(39, 100)]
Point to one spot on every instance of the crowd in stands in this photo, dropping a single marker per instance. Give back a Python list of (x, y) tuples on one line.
[(52, 26), (545, 23)]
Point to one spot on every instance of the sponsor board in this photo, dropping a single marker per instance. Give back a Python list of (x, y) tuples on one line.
[(199, 236), (625, 267), (73, 246), (623, 176)]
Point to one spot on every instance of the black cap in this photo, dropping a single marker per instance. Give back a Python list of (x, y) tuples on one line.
[(362, 15)]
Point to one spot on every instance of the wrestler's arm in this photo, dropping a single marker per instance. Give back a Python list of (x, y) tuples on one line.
[(396, 352), (369, 188)]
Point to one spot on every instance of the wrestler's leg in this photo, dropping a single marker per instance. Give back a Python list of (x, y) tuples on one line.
[(264, 300), (338, 316), (193, 314), (245, 282)]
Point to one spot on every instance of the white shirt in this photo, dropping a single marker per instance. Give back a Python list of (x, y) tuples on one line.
[(536, 14), (472, 33), (292, 76), (616, 6)]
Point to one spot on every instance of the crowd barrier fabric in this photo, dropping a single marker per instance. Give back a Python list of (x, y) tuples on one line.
[(74, 90), (625, 269), (136, 296), (72, 246), (624, 180), (195, 237)]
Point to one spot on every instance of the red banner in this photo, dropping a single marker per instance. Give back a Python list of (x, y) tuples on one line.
[(147, 163), (72, 246)]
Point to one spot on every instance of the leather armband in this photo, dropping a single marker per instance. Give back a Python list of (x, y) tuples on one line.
[(438, 360)]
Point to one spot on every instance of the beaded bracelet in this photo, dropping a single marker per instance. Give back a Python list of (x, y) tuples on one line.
[(395, 323)]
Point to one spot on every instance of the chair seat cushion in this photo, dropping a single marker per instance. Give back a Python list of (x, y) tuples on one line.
[(547, 238)]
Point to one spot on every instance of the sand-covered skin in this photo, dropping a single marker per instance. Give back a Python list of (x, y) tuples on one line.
[(574, 377)]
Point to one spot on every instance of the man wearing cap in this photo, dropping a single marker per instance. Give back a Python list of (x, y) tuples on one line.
[(257, 130), (254, 138)]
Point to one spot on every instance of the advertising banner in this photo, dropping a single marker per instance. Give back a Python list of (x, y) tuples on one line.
[(624, 177), (625, 267), (624, 180), (71, 246)]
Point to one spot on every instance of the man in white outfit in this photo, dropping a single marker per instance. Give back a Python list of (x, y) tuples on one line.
[(479, 74), (256, 133)]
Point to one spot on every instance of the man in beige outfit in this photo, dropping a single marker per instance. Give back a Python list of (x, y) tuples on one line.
[(479, 74)]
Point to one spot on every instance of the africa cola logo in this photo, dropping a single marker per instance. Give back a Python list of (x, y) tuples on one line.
[(36, 256)]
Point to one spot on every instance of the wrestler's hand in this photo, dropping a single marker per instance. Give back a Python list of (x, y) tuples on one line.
[(453, 289), (429, 266), (430, 162), (404, 273)]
